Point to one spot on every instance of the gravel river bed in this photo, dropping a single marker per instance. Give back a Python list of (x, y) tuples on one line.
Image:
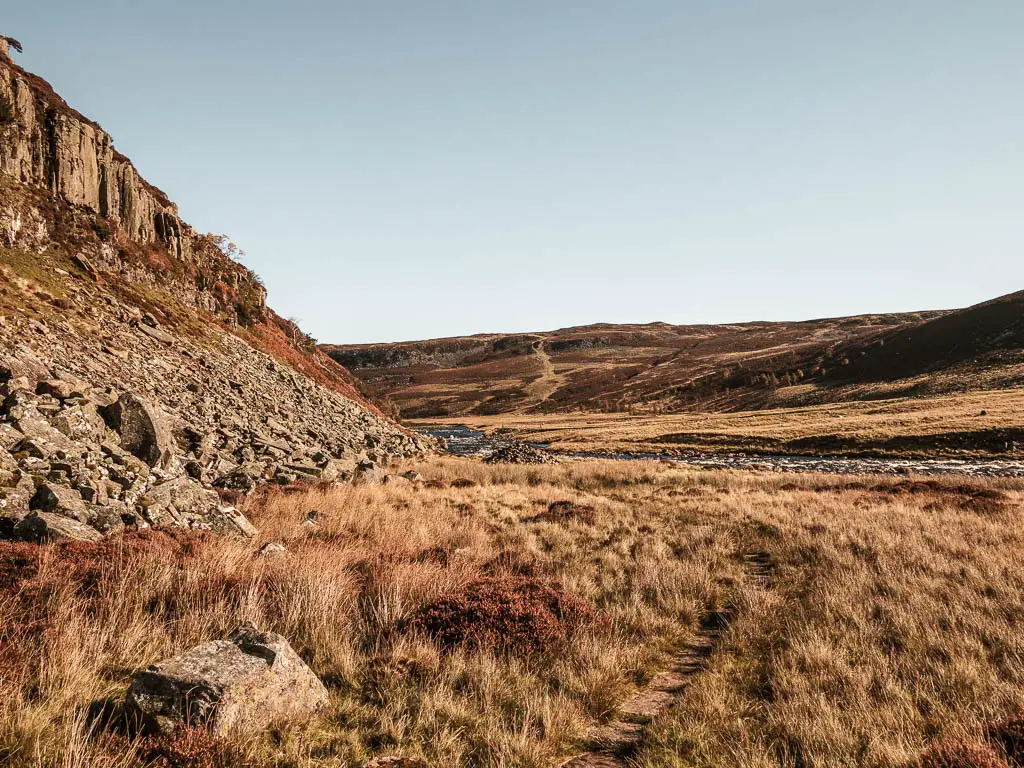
[(464, 441)]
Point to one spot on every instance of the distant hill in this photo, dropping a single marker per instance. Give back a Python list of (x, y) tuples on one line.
[(983, 337), (657, 367)]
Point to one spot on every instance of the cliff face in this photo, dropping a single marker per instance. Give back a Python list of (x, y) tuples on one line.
[(47, 145), (142, 377)]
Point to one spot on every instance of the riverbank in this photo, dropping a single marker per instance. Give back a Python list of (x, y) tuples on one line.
[(463, 441), (979, 427)]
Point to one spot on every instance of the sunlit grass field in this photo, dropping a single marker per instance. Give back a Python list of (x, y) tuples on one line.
[(892, 622)]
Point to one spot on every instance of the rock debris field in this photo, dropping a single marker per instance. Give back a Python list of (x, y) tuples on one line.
[(108, 419)]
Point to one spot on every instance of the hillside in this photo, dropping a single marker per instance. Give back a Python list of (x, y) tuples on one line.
[(661, 368), (144, 378)]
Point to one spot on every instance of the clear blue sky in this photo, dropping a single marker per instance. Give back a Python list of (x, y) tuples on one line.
[(400, 170)]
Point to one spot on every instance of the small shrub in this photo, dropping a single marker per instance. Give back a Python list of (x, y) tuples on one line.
[(567, 510), (960, 755), (516, 615), (1008, 735), (18, 563)]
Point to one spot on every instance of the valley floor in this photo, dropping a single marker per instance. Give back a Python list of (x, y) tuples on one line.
[(977, 425), (888, 620)]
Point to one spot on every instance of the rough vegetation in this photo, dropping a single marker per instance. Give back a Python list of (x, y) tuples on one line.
[(889, 626), (509, 614), (659, 368), (976, 426)]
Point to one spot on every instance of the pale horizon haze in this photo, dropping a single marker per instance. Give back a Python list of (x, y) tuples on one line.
[(410, 170)]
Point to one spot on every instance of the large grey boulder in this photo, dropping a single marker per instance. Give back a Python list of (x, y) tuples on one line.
[(60, 500), (184, 503), (143, 432), (45, 526), (245, 682), (24, 365)]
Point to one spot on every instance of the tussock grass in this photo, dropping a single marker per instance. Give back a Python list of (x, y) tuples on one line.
[(892, 623)]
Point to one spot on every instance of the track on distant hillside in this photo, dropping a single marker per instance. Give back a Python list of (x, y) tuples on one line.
[(542, 388), (618, 739)]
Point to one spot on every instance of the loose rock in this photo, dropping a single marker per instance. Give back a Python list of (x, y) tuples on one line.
[(245, 682), (142, 432)]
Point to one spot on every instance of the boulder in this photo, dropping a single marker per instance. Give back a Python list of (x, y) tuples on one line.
[(334, 471), (228, 521), (108, 519), (80, 422), (9, 437), (239, 479), (46, 526), (365, 474), (157, 333), (246, 682), (143, 433), (184, 503), (59, 500), (14, 499), (25, 366), (60, 389)]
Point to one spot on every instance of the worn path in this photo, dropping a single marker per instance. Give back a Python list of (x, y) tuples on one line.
[(545, 386), (615, 741)]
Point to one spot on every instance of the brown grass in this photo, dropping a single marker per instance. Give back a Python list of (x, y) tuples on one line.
[(894, 426), (891, 624)]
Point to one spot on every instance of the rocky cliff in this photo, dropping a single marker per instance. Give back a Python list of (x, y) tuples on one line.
[(45, 145), (143, 379)]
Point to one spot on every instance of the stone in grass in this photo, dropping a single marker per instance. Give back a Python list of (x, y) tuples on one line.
[(246, 682)]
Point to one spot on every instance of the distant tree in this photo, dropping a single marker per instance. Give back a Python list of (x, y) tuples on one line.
[(13, 43), (227, 246)]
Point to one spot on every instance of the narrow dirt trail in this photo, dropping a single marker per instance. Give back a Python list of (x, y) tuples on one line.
[(621, 737), (540, 390)]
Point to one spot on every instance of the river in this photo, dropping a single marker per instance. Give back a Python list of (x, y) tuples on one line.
[(464, 441)]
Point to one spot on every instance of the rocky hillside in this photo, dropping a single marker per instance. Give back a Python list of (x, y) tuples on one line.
[(143, 377), (661, 368)]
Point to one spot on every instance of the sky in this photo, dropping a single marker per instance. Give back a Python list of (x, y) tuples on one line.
[(409, 169)]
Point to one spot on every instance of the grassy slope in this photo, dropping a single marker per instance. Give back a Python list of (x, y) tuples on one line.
[(891, 623), (604, 367), (657, 368)]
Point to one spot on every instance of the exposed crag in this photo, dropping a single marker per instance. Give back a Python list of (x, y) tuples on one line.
[(119, 221), (142, 375)]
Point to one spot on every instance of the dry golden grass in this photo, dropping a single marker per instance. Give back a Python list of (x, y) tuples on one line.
[(875, 420), (893, 621)]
